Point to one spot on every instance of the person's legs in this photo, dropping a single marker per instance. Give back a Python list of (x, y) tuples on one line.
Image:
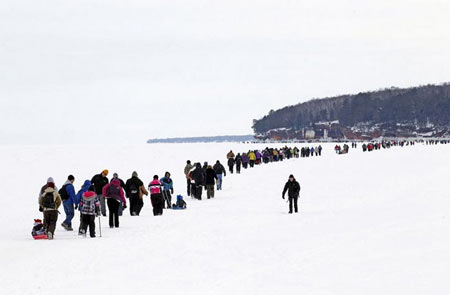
[(85, 224), (163, 193), (219, 182), (133, 205), (290, 205), (160, 204), (296, 204), (169, 199), (154, 204), (102, 204), (68, 209), (52, 216), (116, 212), (139, 205), (110, 203), (81, 224), (188, 187), (199, 190), (92, 226), (210, 191)]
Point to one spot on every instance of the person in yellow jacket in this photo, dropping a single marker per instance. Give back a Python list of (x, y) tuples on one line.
[(50, 201), (252, 158)]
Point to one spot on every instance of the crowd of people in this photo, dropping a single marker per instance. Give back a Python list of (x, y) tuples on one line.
[(98, 194), (210, 177)]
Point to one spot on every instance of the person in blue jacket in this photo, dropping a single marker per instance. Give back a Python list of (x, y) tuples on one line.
[(67, 193), (77, 200), (167, 183)]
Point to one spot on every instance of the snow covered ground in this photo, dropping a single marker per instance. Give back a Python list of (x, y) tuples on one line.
[(369, 223)]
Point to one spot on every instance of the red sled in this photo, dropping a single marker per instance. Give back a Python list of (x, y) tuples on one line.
[(40, 237)]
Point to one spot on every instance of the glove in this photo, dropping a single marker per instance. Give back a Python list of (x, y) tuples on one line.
[(282, 197), (41, 209), (76, 207), (124, 207), (171, 191)]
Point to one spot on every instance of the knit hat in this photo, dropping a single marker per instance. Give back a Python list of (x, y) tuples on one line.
[(105, 171), (50, 180), (115, 175), (134, 174), (291, 176)]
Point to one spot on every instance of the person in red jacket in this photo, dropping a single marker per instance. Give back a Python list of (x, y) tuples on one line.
[(114, 194)]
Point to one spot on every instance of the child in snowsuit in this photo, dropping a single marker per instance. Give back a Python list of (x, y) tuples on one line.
[(181, 204), (90, 205)]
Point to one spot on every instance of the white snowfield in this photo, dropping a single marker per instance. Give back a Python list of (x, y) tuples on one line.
[(369, 223)]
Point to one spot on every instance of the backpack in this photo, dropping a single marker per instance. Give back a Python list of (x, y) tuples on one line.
[(113, 192), (134, 191), (63, 193), (49, 201)]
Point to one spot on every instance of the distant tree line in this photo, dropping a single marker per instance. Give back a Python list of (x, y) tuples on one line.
[(417, 105)]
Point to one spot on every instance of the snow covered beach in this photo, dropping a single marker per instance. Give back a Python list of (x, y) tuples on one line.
[(369, 223)]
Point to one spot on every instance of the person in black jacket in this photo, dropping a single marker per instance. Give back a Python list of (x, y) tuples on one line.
[(293, 189), (198, 178), (98, 182), (135, 189), (238, 161), (210, 181), (219, 169)]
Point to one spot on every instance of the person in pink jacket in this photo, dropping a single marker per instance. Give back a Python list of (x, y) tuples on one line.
[(114, 194), (156, 196)]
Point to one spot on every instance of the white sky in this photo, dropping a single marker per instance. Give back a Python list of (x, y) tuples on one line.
[(128, 70)]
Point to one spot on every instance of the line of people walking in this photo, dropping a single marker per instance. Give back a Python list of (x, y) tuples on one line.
[(98, 194)]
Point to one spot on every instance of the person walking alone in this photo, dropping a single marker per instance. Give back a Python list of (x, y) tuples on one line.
[(292, 187)]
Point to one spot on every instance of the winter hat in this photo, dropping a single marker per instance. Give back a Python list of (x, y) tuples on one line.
[(50, 180), (87, 183), (291, 176), (105, 172), (70, 177), (134, 174), (88, 194), (155, 177), (115, 175)]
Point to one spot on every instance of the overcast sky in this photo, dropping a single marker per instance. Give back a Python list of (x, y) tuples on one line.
[(128, 70)]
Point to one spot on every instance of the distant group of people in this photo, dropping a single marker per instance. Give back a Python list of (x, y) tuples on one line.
[(342, 150), (97, 194), (206, 176)]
